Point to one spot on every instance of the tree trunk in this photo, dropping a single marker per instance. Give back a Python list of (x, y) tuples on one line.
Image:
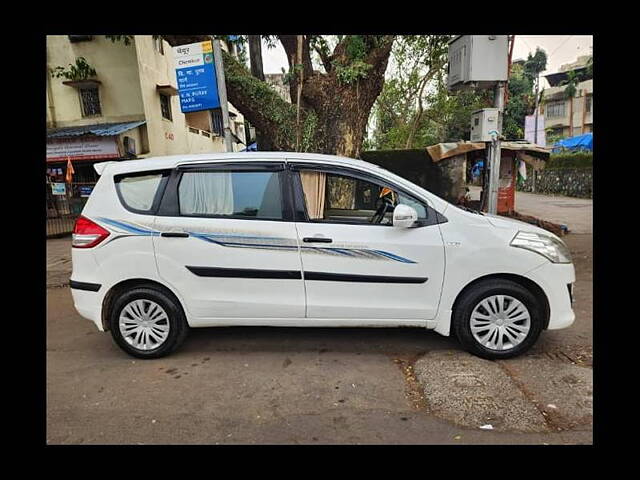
[(257, 70)]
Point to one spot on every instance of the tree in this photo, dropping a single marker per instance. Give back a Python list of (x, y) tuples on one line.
[(415, 108), (334, 104), (524, 93)]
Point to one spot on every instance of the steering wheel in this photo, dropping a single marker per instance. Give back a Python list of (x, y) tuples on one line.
[(382, 205)]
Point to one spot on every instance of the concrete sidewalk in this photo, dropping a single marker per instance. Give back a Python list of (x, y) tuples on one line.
[(576, 213)]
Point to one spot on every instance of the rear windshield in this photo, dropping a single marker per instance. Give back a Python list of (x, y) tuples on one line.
[(138, 191)]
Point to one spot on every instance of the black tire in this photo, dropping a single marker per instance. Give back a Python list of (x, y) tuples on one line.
[(178, 327), (461, 317)]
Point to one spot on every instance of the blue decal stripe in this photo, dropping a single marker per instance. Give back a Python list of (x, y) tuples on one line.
[(392, 256), (128, 227), (218, 239)]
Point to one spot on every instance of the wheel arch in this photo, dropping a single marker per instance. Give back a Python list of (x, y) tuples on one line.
[(131, 283), (525, 282)]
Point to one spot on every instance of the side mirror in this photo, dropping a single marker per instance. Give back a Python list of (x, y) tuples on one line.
[(404, 216)]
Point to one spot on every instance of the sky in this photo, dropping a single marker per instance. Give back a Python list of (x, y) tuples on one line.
[(560, 49)]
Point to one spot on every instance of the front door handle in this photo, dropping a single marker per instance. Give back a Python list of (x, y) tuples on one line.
[(174, 234), (317, 240)]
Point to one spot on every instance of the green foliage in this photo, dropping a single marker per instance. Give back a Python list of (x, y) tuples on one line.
[(570, 160), (355, 68), (352, 73), (414, 106), (552, 138), (80, 71), (273, 107), (571, 84), (521, 102), (535, 64)]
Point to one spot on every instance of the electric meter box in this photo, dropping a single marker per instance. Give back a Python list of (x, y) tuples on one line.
[(482, 123), (478, 61)]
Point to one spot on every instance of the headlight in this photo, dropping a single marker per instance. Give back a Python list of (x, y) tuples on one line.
[(547, 246)]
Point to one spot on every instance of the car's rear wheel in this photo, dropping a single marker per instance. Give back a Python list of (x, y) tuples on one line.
[(147, 323), (497, 319)]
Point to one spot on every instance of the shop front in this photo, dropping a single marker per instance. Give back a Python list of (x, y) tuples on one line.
[(81, 148)]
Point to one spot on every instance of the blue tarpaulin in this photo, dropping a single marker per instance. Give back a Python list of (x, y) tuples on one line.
[(580, 142)]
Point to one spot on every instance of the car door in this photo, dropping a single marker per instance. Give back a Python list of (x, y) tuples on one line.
[(228, 244), (354, 269)]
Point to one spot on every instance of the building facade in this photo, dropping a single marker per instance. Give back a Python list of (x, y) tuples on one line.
[(128, 109), (569, 116)]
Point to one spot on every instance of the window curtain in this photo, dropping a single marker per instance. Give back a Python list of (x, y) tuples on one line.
[(314, 185), (138, 192), (206, 193)]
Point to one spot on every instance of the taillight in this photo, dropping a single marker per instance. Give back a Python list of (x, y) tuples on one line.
[(87, 234)]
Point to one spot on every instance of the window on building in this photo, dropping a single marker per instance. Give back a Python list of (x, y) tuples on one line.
[(555, 109), (587, 103), (165, 106), (231, 194), (90, 101), (158, 44), (216, 122)]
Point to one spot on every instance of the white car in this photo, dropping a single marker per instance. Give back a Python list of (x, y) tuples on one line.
[(305, 240)]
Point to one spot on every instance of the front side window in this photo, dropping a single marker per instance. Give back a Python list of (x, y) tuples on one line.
[(337, 198), (90, 101), (138, 191), (231, 194)]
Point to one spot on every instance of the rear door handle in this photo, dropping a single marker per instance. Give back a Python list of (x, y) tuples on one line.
[(317, 240), (174, 234)]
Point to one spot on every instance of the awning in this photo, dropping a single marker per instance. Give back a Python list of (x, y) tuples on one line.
[(442, 151), (102, 130)]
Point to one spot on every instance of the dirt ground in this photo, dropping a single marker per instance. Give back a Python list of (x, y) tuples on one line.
[(315, 386)]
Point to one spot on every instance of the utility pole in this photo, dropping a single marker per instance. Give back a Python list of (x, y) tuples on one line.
[(494, 161), (222, 93), (535, 112)]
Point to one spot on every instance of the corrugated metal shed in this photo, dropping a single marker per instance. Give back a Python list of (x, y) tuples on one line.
[(102, 130)]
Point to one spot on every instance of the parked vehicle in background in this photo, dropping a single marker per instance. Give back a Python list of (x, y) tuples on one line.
[(307, 240)]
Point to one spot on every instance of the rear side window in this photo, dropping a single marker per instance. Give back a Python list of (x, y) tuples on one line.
[(239, 194), (138, 192)]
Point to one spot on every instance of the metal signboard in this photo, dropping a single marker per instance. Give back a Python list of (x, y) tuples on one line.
[(58, 189), (196, 74)]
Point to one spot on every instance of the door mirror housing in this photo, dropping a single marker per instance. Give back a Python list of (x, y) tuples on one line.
[(404, 216)]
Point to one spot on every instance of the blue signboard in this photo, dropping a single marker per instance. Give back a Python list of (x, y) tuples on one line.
[(196, 74)]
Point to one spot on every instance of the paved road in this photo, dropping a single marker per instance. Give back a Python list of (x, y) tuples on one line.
[(315, 386), (576, 213)]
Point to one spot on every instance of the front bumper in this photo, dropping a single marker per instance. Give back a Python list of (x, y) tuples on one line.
[(554, 279)]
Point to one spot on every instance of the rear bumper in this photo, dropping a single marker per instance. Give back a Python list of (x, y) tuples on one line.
[(88, 302), (554, 279)]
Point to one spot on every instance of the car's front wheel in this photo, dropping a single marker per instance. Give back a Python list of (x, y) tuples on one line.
[(147, 323), (498, 318)]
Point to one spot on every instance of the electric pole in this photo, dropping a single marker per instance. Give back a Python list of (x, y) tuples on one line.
[(535, 112), (494, 160)]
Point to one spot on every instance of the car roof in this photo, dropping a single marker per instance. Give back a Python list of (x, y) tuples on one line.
[(172, 161)]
